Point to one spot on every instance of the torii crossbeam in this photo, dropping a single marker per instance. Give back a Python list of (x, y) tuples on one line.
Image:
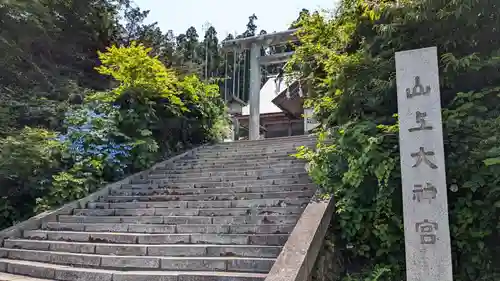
[(255, 43)]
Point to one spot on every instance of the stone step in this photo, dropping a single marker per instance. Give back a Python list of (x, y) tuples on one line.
[(146, 238), (191, 212), (231, 162), (171, 229), (183, 170), (241, 264), (241, 153), (251, 203), (293, 140), (268, 142), (202, 197), (171, 250), (12, 277), (255, 219), (147, 189), (139, 183), (229, 173), (69, 273), (223, 160), (234, 166), (264, 144), (225, 155), (226, 178)]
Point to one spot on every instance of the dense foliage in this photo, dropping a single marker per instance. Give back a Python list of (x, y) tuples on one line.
[(78, 110), (110, 134), (75, 114), (349, 61)]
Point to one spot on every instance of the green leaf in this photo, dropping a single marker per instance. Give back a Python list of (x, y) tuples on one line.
[(146, 133), (492, 161)]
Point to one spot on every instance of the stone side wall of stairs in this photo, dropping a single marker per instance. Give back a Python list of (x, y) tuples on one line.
[(222, 212)]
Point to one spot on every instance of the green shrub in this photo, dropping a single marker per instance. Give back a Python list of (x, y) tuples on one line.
[(27, 161), (149, 115), (349, 61)]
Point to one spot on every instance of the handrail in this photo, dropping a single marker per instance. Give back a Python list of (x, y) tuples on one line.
[(298, 256)]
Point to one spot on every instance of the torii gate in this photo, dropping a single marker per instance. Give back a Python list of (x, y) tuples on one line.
[(255, 43)]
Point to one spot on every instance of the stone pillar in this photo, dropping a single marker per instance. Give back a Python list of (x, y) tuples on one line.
[(254, 100), (423, 172)]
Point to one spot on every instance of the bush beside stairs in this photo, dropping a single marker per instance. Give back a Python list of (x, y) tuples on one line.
[(221, 213)]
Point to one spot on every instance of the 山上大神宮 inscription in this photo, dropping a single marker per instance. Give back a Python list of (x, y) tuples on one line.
[(418, 89), (421, 193), (425, 212), (422, 123), (422, 156), (427, 231)]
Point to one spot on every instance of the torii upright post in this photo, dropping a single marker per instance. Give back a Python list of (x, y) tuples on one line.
[(255, 43), (254, 99)]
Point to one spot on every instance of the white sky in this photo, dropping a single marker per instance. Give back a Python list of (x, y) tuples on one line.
[(227, 16)]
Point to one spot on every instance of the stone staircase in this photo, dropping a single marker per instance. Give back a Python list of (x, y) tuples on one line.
[(221, 213)]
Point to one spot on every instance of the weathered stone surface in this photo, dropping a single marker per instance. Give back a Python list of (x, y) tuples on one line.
[(139, 205), (121, 250), (106, 227), (231, 276), (163, 238), (88, 219), (71, 274), (75, 259), (219, 189), (143, 276), (202, 228), (227, 239), (135, 212), (257, 219), (143, 219), (12, 277), (253, 203), (28, 255), (261, 228), (229, 172), (209, 204), (250, 265), (239, 169), (268, 239), (94, 212), (175, 212), (186, 264), (64, 226), (206, 197), (126, 238), (177, 250), (26, 244), (68, 236), (130, 262), (244, 251), (73, 247), (151, 228), (55, 246), (35, 234), (179, 220), (224, 212), (27, 268)]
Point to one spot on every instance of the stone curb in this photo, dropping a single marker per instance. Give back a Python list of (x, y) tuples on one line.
[(297, 259)]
